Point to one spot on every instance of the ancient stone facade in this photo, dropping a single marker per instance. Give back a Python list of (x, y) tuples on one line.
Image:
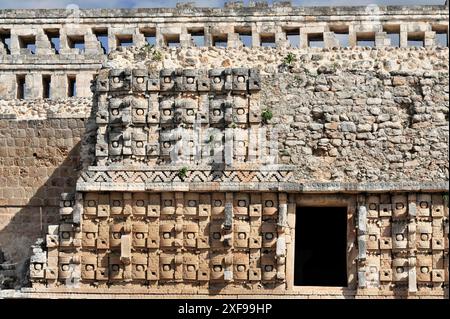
[(194, 166), (35, 44)]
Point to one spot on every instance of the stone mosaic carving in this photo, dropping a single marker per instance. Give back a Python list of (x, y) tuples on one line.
[(119, 229), (178, 116), (150, 238), (185, 194), (403, 242)]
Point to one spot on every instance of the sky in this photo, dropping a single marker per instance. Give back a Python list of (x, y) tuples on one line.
[(48, 4)]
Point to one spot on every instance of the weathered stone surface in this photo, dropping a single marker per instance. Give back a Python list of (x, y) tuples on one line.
[(357, 126)]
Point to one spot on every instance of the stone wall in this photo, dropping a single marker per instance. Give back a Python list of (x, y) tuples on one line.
[(40, 109), (39, 159), (63, 45), (368, 116), (167, 207), (361, 115), (350, 123)]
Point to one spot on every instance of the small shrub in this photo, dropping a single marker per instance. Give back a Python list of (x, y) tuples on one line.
[(147, 47), (285, 153), (266, 115), (182, 172), (156, 56), (290, 58), (445, 198)]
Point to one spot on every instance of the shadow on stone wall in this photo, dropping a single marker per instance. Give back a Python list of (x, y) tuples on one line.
[(29, 222)]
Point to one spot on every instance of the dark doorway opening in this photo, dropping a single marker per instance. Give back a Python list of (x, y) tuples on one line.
[(46, 83), (320, 246)]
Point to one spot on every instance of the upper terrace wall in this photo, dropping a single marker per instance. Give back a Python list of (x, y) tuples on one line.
[(357, 116), (26, 49)]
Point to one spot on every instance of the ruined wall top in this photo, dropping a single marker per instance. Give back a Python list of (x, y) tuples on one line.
[(237, 8)]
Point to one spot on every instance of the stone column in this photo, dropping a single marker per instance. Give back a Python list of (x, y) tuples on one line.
[(403, 36), (185, 38), (7, 86), (15, 46), (382, 40), (138, 38), (290, 242), (84, 84), (159, 39), (43, 45), (33, 86), (2, 48), (112, 41), (429, 39), (208, 38), (329, 40), (92, 44), (63, 44), (351, 36), (303, 41), (280, 38), (58, 86), (233, 40), (256, 40)]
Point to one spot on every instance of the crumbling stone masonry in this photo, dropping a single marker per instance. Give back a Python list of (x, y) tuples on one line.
[(188, 171)]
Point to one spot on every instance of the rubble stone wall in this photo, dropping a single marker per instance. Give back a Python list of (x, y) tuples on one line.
[(63, 44)]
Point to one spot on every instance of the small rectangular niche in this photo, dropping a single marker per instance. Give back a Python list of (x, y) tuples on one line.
[(28, 42), (441, 35), (341, 34), (197, 36), (76, 42), (245, 35), (267, 40), (416, 39), (315, 40), (46, 81), (365, 39), (102, 36), (393, 32), (71, 85), (54, 38), (149, 35), (220, 40), (20, 86), (293, 36), (124, 40), (172, 40), (5, 39)]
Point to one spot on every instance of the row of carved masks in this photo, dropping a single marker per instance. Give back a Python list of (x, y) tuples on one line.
[(175, 266), (396, 206), (132, 141), (182, 80), (189, 204), (136, 110), (170, 234)]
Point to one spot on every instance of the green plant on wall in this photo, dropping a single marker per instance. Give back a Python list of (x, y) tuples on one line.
[(210, 139), (147, 47), (285, 153), (156, 56), (182, 172), (266, 115), (289, 59)]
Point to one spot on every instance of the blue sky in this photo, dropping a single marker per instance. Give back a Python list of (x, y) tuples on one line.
[(12, 4)]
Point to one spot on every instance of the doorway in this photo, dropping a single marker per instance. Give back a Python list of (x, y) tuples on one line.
[(320, 247)]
